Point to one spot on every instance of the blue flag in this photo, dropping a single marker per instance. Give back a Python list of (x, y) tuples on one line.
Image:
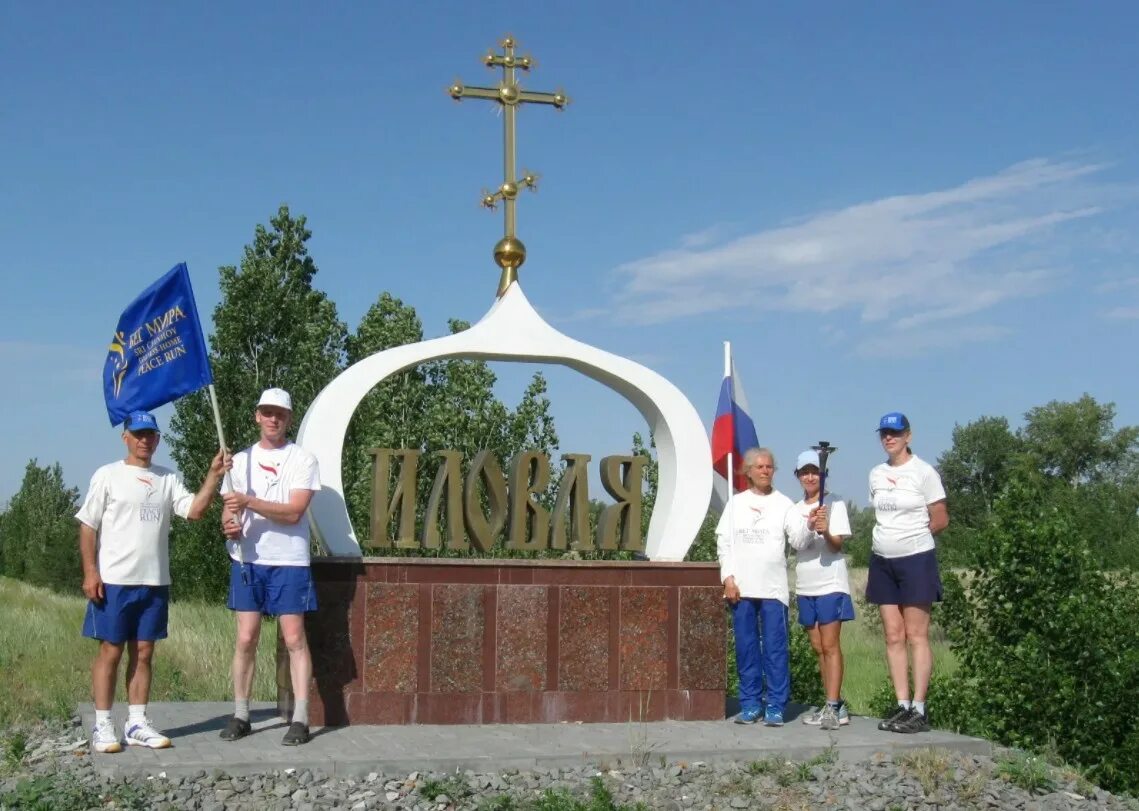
[(158, 352)]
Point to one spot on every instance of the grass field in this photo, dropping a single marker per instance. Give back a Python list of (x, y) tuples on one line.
[(46, 663)]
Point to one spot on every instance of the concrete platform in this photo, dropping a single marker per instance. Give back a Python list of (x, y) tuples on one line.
[(358, 750)]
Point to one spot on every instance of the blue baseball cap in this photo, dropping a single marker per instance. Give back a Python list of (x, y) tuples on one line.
[(894, 421), (140, 421)]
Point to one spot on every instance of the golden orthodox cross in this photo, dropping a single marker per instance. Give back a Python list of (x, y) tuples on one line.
[(509, 253)]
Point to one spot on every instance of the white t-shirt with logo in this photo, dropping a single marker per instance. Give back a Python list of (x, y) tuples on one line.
[(754, 550), (901, 497), (271, 474), (130, 507), (819, 569)]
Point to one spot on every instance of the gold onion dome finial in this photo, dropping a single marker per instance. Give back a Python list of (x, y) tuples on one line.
[(509, 252)]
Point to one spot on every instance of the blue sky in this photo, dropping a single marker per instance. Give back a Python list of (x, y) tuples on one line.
[(924, 207)]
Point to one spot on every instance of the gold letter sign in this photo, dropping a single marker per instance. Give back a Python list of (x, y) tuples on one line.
[(476, 508)]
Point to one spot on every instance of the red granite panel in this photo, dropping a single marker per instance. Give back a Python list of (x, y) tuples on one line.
[(381, 708), (423, 644), (390, 637), (516, 575), (644, 638), (521, 630), (703, 638), (572, 576), (457, 625), (638, 705), (696, 705), (614, 637), (452, 708), (669, 576), (519, 708), (556, 707), (583, 657), (489, 638), (553, 636), (672, 664), (483, 575)]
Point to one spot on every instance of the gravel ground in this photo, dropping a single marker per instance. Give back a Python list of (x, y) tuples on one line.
[(48, 767)]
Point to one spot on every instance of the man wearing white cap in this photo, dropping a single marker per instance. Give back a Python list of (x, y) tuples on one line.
[(264, 519)]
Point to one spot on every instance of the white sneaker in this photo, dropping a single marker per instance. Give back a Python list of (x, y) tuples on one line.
[(104, 739), (143, 733), (814, 718)]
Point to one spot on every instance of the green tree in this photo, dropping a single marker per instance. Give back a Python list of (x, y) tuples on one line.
[(1078, 443), (271, 328), (1032, 622), (975, 467), (38, 536), (973, 471), (862, 532)]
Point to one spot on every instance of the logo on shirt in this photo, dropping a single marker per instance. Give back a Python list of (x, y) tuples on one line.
[(757, 515), (893, 482), (148, 484)]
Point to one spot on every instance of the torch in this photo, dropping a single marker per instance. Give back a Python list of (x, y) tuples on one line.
[(824, 449)]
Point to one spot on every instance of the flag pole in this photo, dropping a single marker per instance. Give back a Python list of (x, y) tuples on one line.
[(731, 455), (227, 482), (228, 485)]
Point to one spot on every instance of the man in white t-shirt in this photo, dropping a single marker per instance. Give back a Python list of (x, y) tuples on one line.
[(822, 586), (267, 527), (750, 544), (124, 543)]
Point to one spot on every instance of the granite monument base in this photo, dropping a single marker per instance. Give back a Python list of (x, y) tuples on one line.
[(477, 641)]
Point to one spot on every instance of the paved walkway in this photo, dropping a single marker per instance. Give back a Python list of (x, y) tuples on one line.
[(358, 750)]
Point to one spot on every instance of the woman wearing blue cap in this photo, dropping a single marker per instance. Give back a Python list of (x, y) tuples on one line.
[(909, 510), (822, 586)]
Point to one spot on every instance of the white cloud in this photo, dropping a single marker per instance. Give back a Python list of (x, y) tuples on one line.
[(1123, 312), (914, 344), (908, 260)]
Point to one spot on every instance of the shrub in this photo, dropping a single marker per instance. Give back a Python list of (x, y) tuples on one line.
[(1043, 636)]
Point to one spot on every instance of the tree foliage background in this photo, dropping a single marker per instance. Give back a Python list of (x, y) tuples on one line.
[(38, 538)]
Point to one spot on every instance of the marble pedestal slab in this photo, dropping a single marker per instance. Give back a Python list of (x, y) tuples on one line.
[(475, 641)]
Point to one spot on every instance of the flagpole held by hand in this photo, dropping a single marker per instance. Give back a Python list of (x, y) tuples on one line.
[(227, 482)]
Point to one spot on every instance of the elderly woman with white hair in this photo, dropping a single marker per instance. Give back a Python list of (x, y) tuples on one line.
[(751, 540)]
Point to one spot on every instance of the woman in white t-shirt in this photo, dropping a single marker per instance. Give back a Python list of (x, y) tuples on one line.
[(751, 541), (822, 587), (904, 582)]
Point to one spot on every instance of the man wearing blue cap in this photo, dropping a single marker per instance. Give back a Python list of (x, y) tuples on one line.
[(124, 533)]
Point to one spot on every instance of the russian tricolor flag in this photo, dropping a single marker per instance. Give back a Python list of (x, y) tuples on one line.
[(733, 431)]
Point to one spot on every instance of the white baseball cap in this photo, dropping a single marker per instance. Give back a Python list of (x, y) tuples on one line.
[(807, 458), (276, 397)]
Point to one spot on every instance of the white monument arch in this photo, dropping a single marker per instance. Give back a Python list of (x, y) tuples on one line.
[(513, 331)]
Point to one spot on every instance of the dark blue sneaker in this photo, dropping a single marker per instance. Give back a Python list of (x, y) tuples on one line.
[(747, 716), (772, 717)]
